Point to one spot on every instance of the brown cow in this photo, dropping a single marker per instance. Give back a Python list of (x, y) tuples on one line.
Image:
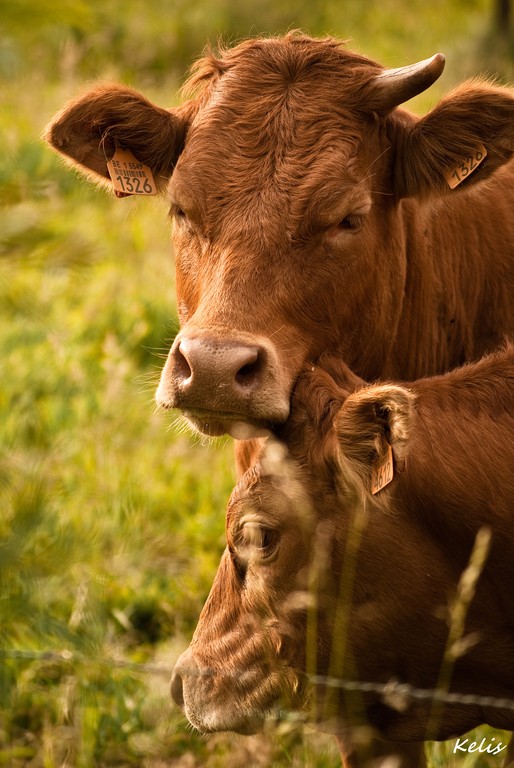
[(311, 213), (321, 575), (293, 172)]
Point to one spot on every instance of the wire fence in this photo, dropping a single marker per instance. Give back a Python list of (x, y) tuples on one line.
[(393, 692)]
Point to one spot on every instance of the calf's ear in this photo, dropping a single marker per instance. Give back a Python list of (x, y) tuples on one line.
[(246, 453), (369, 421), (87, 131), (461, 142)]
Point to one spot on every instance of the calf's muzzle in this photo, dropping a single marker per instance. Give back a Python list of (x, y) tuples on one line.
[(176, 683), (210, 698)]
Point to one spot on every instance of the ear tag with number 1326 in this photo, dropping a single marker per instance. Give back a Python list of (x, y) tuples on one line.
[(129, 176)]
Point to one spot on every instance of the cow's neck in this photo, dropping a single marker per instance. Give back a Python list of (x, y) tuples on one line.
[(457, 284)]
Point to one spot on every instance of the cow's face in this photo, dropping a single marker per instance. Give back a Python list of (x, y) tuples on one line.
[(275, 267), (281, 204)]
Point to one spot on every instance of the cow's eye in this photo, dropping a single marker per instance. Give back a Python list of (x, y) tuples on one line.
[(178, 213), (350, 224), (182, 220)]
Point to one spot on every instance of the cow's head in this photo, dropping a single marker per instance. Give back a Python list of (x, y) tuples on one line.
[(283, 171), (279, 607)]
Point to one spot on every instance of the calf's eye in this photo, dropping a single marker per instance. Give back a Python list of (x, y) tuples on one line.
[(258, 539)]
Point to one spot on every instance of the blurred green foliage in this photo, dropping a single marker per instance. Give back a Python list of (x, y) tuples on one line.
[(160, 39), (111, 518)]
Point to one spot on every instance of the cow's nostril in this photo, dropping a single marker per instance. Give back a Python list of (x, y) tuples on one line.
[(182, 368), (176, 689), (248, 374)]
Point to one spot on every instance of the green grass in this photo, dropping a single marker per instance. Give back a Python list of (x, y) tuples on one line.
[(111, 517)]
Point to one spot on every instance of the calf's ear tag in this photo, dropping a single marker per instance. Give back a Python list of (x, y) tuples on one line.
[(468, 164), (382, 470), (129, 176)]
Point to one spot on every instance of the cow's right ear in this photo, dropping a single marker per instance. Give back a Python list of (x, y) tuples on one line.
[(369, 421), (88, 130)]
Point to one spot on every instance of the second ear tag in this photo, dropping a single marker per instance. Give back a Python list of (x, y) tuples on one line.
[(382, 471), (469, 164)]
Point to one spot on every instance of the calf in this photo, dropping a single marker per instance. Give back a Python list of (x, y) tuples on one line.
[(331, 573)]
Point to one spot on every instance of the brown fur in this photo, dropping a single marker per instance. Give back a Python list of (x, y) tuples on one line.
[(89, 128), (400, 555), (439, 140), (278, 144), (308, 221)]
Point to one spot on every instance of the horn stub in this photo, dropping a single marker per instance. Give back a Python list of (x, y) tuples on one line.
[(395, 86)]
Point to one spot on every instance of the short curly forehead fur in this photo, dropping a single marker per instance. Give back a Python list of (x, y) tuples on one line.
[(286, 61)]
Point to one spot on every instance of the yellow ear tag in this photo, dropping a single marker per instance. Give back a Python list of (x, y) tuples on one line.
[(469, 164), (129, 176), (382, 471)]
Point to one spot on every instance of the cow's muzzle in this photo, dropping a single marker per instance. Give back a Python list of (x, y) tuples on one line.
[(225, 385)]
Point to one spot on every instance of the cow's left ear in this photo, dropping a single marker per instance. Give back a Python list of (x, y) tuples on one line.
[(369, 421), (461, 142), (88, 130)]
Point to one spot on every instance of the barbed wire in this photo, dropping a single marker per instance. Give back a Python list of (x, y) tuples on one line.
[(396, 693), (71, 656)]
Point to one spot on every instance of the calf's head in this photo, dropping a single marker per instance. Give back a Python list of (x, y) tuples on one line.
[(283, 172), (279, 607)]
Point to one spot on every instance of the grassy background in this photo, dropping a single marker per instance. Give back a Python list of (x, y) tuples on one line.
[(111, 517)]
